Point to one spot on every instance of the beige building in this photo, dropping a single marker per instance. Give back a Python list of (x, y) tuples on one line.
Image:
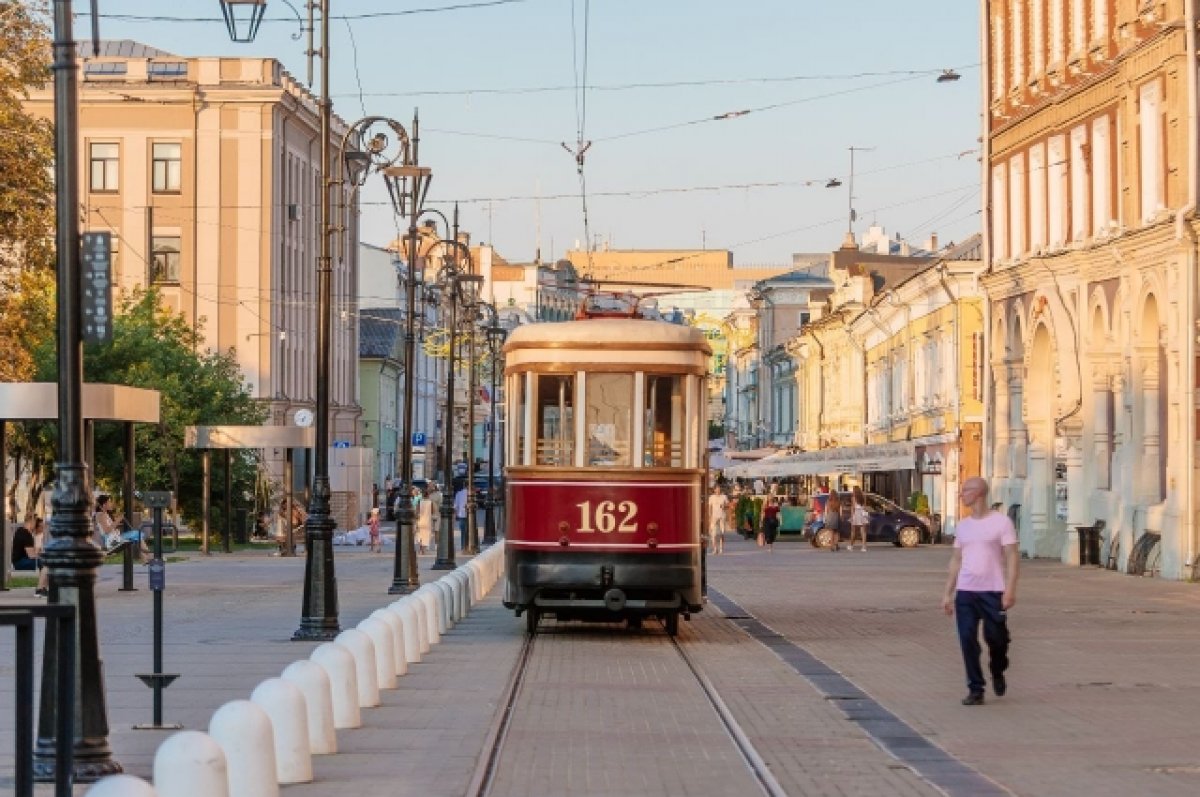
[(205, 170), (1091, 196)]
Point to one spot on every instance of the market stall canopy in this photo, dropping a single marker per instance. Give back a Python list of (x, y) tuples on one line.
[(852, 459)]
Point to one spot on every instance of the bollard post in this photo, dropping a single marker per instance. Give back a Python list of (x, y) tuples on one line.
[(121, 786), (127, 569), (285, 704), (404, 610), (247, 737), (385, 646), (311, 679), (399, 658), (339, 665), (191, 764), (157, 680), (363, 650)]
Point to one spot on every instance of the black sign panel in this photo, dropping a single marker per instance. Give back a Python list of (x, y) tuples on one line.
[(97, 287), (157, 572)]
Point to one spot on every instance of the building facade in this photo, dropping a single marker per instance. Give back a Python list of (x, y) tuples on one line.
[(1091, 192)]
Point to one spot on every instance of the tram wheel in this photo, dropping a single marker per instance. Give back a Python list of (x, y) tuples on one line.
[(671, 621), (532, 616)]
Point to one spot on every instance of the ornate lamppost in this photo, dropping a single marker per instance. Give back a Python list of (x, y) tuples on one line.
[(455, 272), (472, 546), (70, 555), (495, 339)]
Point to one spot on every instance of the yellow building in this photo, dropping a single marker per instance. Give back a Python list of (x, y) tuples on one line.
[(1091, 195)]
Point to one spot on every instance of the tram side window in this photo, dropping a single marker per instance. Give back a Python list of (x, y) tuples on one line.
[(664, 416), (555, 420), (609, 418)]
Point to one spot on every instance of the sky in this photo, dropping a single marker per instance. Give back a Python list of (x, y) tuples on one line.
[(504, 89)]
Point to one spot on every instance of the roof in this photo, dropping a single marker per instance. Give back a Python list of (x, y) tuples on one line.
[(122, 48), (970, 249), (378, 331), (599, 331)]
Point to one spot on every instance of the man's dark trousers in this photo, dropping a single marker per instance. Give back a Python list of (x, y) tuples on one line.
[(970, 609)]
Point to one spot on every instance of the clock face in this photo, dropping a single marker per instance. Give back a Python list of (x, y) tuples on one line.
[(303, 417)]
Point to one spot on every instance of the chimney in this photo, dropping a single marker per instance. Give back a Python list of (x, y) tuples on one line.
[(933, 242)]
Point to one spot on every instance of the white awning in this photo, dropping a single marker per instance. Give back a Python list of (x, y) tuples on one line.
[(851, 459)]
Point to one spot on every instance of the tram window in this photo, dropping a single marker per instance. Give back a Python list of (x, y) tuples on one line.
[(520, 435), (609, 416), (664, 418), (555, 420)]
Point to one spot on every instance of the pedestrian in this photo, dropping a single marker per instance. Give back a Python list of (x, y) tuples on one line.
[(24, 550), (770, 522), (425, 510), (982, 587), (759, 487), (103, 527), (40, 534), (460, 515), (718, 507), (859, 517), (833, 520), (373, 530)]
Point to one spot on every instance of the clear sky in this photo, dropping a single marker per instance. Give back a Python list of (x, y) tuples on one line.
[(818, 78)]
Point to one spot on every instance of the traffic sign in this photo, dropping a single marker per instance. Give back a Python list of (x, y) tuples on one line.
[(418, 438), (341, 443)]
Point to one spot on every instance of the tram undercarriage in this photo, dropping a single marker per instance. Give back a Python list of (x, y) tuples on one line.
[(603, 587)]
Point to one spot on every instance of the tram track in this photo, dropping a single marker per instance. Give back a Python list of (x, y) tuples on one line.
[(485, 774)]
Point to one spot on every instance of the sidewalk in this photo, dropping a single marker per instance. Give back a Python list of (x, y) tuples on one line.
[(1103, 691)]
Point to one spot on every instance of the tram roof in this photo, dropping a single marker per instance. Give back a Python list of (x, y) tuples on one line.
[(596, 332)]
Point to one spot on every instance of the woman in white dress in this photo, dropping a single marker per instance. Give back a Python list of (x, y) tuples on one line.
[(424, 521)]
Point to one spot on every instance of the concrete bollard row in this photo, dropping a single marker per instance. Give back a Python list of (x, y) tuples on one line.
[(253, 746)]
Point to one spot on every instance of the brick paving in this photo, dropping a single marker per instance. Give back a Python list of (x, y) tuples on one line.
[(1102, 698)]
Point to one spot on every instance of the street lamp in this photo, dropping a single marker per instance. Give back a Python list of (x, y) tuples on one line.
[(456, 270), (408, 183), (242, 18), (472, 546), (70, 555), (495, 338)]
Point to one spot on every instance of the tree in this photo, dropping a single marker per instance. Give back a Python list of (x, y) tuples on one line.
[(157, 349)]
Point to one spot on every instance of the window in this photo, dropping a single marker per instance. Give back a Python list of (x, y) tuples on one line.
[(609, 418), (554, 420), (165, 167), (165, 263), (664, 419), (105, 161)]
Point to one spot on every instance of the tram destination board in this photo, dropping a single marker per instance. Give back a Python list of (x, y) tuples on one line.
[(97, 286)]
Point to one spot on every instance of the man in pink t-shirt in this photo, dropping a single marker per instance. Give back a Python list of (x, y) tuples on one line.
[(982, 587)]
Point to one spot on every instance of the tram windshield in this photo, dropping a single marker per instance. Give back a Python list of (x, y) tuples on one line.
[(555, 420), (609, 419)]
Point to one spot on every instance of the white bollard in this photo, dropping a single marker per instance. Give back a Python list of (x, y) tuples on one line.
[(363, 649), (190, 764), (426, 595), (338, 663), (406, 611), (462, 592), (436, 589), (449, 602), (399, 659), (385, 650), (121, 786), (244, 732), (284, 704), (470, 571), (312, 680)]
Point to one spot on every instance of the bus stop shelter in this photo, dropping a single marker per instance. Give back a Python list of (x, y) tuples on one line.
[(38, 401), (231, 438)]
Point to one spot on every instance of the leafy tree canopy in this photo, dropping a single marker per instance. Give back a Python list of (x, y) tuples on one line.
[(156, 349)]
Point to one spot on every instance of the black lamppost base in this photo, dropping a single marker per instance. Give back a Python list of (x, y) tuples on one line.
[(89, 765), (315, 634), (402, 587), (444, 564)]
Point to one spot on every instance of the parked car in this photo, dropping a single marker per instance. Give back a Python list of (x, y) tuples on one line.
[(480, 482), (890, 522)]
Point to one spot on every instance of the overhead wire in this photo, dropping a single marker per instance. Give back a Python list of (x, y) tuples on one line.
[(361, 15)]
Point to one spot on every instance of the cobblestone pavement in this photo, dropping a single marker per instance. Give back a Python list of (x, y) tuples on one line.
[(1102, 696)]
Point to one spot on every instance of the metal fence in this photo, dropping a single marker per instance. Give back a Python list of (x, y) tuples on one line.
[(60, 631)]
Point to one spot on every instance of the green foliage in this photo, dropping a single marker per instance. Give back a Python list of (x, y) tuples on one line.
[(918, 502), (156, 349)]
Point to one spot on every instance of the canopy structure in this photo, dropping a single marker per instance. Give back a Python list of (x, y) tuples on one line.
[(229, 439), (38, 401), (851, 459)]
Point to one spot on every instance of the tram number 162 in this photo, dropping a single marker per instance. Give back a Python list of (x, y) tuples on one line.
[(608, 517)]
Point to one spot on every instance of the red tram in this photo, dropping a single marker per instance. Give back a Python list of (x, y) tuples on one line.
[(606, 445)]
